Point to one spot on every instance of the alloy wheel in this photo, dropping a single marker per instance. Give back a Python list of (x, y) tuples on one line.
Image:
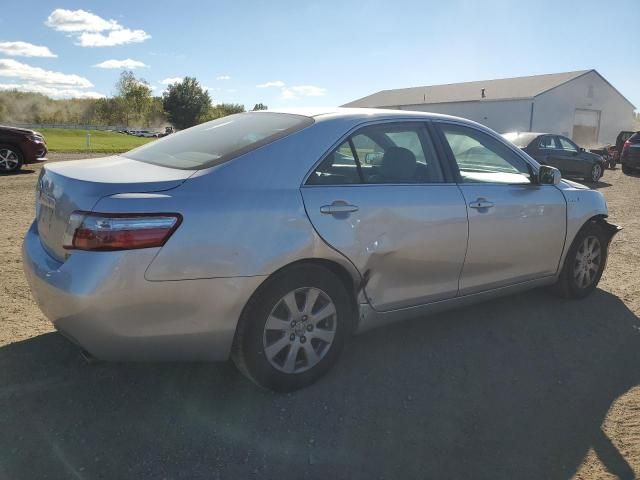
[(587, 262), (300, 330), (596, 173), (9, 160)]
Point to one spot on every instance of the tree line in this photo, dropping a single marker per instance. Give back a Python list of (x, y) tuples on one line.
[(183, 104)]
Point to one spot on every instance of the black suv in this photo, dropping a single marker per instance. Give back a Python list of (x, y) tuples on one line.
[(19, 146), (630, 157)]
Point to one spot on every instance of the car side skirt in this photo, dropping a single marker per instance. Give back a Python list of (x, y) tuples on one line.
[(369, 318)]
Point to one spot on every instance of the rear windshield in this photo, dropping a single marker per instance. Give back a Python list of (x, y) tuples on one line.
[(520, 140), (635, 138), (215, 142)]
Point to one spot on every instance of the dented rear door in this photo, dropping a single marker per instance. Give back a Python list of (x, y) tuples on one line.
[(408, 241)]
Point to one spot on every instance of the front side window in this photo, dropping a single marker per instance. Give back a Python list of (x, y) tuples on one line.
[(567, 145), (390, 153), (215, 142), (483, 159)]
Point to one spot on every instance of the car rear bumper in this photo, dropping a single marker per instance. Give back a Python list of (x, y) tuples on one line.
[(631, 160), (101, 301)]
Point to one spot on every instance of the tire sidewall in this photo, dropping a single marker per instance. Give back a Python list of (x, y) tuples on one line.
[(252, 322), (20, 158), (588, 230)]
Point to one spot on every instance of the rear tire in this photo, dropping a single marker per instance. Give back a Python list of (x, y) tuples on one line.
[(584, 263), (287, 337), (626, 170), (11, 159)]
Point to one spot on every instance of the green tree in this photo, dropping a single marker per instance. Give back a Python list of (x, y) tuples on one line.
[(224, 109), (186, 103), (133, 97), (259, 106)]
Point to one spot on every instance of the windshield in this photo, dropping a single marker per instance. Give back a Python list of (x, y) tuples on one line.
[(215, 142)]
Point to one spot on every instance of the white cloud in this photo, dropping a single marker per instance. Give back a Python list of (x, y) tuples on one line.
[(79, 21), (90, 27), (47, 82), (289, 93), (309, 90), (170, 80), (13, 68), (223, 77), (114, 37), (126, 64), (275, 83), (24, 49), (51, 91)]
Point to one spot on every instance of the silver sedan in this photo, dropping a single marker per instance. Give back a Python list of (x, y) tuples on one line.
[(270, 237)]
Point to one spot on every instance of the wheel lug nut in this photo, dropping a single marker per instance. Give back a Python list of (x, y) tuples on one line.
[(309, 327), (303, 339), (292, 337), (304, 318), (293, 323)]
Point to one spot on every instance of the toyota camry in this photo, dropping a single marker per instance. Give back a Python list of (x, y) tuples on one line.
[(270, 237)]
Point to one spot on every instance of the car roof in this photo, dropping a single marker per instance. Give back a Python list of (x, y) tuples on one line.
[(326, 113)]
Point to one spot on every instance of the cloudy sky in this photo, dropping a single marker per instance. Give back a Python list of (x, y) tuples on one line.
[(295, 53)]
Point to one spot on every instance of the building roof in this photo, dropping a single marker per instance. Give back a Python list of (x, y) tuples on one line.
[(500, 89)]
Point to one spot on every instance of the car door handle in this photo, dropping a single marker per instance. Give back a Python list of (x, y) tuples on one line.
[(338, 207), (481, 203)]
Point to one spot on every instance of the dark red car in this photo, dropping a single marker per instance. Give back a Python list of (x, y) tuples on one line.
[(19, 146)]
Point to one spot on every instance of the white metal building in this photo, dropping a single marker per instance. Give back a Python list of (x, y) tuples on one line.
[(581, 105)]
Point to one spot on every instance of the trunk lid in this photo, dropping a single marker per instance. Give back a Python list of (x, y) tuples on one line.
[(78, 185)]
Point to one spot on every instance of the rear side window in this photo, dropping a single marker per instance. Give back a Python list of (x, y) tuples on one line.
[(635, 138), (548, 142), (215, 142), (389, 153)]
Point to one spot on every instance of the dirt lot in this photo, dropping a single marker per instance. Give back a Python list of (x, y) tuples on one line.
[(524, 387)]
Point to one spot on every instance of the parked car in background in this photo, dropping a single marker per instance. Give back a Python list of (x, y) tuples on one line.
[(266, 237), (560, 152), (147, 134), (620, 140), (608, 154), (630, 157), (19, 146)]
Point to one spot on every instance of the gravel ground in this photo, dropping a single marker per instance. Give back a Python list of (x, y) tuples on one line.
[(528, 386)]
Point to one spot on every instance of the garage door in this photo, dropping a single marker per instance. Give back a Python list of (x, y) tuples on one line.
[(586, 125)]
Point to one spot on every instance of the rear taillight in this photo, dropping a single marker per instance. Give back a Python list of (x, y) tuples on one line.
[(107, 232), (626, 146)]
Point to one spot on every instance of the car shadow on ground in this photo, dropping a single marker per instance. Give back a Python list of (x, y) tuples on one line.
[(22, 171), (599, 185), (513, 388)]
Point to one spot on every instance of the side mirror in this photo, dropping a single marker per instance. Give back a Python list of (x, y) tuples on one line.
[(581, 149), (549, 175)]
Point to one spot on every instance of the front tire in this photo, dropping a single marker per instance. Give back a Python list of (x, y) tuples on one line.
[(584, 263), (293, 329), (626, 170), (10, 159), (596, 173)]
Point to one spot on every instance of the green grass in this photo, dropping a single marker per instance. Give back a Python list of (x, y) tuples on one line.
[(69, 140)]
